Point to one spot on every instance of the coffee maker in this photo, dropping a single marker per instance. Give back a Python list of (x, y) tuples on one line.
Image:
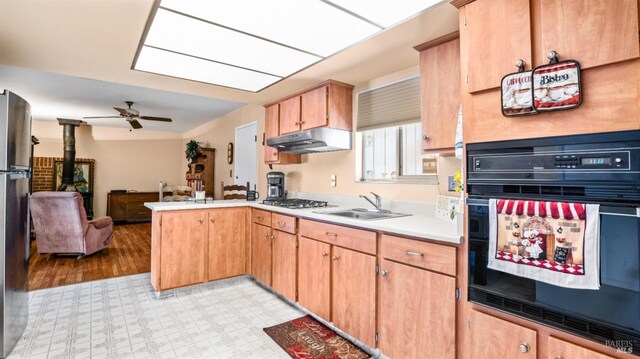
[(275, 186)]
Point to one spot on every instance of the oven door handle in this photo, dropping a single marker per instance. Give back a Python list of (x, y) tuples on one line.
[(604, 209)]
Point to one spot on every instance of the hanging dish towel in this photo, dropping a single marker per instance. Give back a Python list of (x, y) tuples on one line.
[(459, 139), (552, 242)]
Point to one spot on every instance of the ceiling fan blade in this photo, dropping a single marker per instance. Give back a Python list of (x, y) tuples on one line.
[(122, 111), (102, 117), (135, 124), (153, 118)]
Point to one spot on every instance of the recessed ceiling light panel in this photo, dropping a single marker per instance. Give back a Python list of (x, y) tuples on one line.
[(191, 68), (179, 33), (309, 25), (385, 12)]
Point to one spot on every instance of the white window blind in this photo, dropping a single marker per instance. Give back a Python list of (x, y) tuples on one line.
[(394, 104)]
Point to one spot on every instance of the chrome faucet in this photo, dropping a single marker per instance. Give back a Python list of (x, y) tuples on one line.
[(377, 203)]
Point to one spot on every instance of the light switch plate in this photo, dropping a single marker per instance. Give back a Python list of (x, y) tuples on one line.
[(451, 184)]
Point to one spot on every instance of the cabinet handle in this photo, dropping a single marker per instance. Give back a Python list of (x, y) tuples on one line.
[(296, 123), (558, 357), (524, 347), (273, 237), (282, 224), (260, 218), (302, 122), (212, 219), (415, 254), (201, 220), (325, 254), (335, 258), (384, 273), (425, 138), (329, 234), (266, 235)]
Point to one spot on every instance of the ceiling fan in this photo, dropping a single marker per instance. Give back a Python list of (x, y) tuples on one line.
[(132, 116)]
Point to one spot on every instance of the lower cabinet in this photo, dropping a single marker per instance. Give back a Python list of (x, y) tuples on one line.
[(417, 312), (337, 283), (182, 242), (558, 348), (496, 338), (227, 243), (261, 253), (284, 256), (314, 277)]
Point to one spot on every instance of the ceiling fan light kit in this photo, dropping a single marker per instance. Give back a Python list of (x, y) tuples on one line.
[(132, 116)]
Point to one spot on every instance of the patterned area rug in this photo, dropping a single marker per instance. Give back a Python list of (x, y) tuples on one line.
[(306, 338)]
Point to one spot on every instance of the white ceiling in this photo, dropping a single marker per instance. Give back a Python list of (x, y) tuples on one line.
[(73, 58), (53, 95)]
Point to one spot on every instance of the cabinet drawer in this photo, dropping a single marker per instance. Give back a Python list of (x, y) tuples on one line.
[(143, 197), (283, 223), (260, 216), (435, 257), (356, 239)]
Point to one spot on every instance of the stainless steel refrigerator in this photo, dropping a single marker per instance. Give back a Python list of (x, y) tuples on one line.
[(15, 151)]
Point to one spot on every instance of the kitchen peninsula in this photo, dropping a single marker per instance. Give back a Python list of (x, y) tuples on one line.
[(339, 269)]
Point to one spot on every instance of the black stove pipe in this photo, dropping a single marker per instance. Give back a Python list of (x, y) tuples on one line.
[(69, 158)]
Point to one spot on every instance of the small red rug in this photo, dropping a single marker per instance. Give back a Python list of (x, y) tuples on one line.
[(306, 338)]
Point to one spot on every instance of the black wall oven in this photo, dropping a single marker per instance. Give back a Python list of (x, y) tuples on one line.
[(597, 168)]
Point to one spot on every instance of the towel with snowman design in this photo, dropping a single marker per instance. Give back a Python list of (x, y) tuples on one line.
[(552, 242)]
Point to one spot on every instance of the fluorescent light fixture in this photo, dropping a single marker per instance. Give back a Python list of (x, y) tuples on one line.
[(385, 12), (191, 68), (194, 37), (309, 25)]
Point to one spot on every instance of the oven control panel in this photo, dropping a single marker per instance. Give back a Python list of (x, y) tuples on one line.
[(592, 160), (552, 162)]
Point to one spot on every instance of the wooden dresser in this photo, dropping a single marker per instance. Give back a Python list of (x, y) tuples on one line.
[(129, 206)]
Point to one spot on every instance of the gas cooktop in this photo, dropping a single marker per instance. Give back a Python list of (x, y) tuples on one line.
[(295, 203)]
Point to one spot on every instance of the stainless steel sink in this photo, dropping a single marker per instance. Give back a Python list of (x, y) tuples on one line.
[(363, 214)]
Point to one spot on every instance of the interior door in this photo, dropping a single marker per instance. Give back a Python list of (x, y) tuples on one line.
[(246, 154)]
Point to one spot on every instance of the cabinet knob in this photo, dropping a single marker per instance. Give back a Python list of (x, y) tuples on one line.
[(325, 254), (201, 220), (558, 357), (296, 123), (266, 235), (425, 138), (212, 219), (524, 347), (335, 258), (260, 218), (282, 224), (384, 273), (273, 237), (302, 122)]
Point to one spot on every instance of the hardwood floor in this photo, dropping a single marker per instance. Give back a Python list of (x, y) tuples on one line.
[(129, 253)]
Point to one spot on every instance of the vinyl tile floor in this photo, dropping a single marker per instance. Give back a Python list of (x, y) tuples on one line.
[(121, 318)]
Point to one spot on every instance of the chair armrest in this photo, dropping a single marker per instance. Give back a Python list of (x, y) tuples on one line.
[(101, 222)]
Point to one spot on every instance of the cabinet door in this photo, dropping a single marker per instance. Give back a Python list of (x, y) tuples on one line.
[(418, 307), (495, 34), (314, 276), (558, 348), (182, 253), (261, 253), (271, 129), (284, 264), (496, 338), (354, 294), (227, 243), (314, 108), (290, 115), (440, 90), (117, 206), (596, 33)]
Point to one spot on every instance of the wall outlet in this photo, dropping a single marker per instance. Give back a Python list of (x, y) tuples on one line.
[(451, 184), (333, 180)]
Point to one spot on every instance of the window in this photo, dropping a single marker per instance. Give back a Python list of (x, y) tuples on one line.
[(394, 154), (389, 135)]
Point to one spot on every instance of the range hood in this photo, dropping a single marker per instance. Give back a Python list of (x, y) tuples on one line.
[(315, 140)]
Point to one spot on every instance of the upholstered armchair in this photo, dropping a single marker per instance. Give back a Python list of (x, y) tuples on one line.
[(61, 224)]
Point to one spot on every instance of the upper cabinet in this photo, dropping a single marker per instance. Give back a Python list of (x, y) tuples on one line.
[(440, 92), (272, 129), (597, 33), (495, 34), (289, 116)]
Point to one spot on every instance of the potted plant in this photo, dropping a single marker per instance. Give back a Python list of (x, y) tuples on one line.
[(192, 150)]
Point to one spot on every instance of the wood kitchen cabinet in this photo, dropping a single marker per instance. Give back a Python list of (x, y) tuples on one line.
[(129, 206), (261, 253), (337, 279), (440, 92), (495, 34), (558, 348), (181, 244), (227, 242), (417, 299), (284, 251), (272, 129), (496, 338), (289, 115)]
